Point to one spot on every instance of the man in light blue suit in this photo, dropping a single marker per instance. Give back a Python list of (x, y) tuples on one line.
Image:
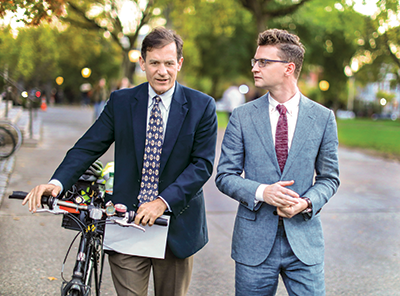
[(278, 226)]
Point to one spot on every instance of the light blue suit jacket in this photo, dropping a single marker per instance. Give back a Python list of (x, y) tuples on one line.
[(312, 163)]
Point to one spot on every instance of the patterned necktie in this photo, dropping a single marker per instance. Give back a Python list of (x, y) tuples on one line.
[(281, 137), (152, 154)]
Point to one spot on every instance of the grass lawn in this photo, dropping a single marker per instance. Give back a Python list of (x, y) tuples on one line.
[(381, 135), (223, 119)]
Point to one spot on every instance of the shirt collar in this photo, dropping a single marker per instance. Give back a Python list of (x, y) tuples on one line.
[(166, 97), (290, 105)]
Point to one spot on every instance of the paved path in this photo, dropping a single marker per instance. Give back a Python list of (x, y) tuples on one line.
[(361, 224)]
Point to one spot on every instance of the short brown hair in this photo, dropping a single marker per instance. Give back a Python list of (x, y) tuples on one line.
[(160, 37), (289, 45)]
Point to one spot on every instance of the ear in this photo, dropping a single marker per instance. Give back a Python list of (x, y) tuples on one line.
[(180, 62), (142, 63), (290, 68)]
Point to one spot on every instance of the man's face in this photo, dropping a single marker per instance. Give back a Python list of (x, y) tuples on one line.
[(161, 67), (272, 75)]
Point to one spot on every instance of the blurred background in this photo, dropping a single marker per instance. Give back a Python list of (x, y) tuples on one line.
[(66, 51)]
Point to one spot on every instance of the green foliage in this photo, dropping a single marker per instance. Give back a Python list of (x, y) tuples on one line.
[(329, 32), (217, 50), (37, 55), (34, 11)]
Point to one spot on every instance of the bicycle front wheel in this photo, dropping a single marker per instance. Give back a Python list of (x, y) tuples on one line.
[(10, 139)]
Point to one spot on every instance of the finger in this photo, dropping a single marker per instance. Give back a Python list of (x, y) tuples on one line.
[(290, 193), (138, 217), (286, 183), (56, 191), (286, 200)]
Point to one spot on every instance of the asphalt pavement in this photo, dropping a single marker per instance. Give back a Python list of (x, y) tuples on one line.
[(361, 223)]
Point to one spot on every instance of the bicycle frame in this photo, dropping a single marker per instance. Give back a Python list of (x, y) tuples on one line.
[(89, 259), (90, 253)]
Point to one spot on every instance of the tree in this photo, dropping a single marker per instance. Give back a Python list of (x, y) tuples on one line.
[(266, 10), (105, 16), (217, 50), (34, 11), (379, 52)]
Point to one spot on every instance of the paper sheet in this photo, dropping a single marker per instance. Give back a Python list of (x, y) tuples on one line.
[(132, 241)]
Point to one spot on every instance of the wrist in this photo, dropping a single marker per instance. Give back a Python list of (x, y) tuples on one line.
[(307, 212)]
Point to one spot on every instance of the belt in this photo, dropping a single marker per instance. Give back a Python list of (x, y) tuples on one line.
[(280, 221)]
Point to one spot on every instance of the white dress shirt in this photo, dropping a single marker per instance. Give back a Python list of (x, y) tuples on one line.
[(292, 107)]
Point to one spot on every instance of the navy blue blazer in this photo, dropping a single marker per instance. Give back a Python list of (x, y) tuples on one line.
[(186, 161)]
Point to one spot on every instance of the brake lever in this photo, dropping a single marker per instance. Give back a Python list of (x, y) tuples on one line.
[(55, 211), (124, 222)]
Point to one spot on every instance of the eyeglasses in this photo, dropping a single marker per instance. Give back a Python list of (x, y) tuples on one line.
[(263, 62)]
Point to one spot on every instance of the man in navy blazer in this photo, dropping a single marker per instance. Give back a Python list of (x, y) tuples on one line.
[(278, 227), (186, 164)]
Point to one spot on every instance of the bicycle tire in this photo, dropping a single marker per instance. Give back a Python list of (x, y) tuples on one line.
[(10, 139)]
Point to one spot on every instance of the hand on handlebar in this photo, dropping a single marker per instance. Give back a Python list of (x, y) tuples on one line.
[(35, 195), (147, 213)]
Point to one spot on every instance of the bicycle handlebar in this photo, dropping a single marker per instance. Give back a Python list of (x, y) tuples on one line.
[(51, 201)]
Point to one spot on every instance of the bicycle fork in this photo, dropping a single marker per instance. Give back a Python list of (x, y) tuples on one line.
[(82, 273)]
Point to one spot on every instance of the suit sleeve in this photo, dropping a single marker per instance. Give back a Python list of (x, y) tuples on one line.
[(326, 167), (93, 144), (198, 171), (229, 178)]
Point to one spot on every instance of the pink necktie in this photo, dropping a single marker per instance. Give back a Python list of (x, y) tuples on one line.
[(281, 137)]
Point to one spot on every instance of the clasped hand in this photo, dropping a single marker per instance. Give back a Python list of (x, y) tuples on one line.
[(287, 202)]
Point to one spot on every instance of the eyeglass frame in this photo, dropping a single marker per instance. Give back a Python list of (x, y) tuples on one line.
[(254, 61)]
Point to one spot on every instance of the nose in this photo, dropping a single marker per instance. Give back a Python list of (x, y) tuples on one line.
[(255, 68), (162, 70)]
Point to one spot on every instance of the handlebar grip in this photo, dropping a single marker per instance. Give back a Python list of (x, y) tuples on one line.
[(18, 195), (46, 200), (159, 221)]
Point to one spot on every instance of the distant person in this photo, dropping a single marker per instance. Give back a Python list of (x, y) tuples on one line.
[(99, 97), (279, 160), (164, 137), (233, 98), (124, 83), (85, 94)]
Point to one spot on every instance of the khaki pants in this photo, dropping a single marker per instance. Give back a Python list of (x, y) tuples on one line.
[(131, 274)]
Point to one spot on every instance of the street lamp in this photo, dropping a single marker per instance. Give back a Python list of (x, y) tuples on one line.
[(86, 72)]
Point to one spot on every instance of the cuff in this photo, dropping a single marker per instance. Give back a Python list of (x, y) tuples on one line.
[(168, 208), (57, 183)]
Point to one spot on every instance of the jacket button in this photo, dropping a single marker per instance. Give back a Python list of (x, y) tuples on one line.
[(275, 213), (244, 203)]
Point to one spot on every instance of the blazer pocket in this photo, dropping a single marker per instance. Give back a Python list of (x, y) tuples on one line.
[(246, 214)]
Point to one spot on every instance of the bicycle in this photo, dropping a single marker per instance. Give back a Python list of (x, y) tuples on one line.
[(10, 139), (84, 210)]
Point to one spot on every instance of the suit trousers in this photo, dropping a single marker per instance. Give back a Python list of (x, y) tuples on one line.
[(131, 274), (299, 279)]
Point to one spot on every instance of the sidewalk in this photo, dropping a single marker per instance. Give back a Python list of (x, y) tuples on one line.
[(19, 117)]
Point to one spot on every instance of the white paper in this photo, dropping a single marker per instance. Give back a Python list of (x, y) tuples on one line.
[(132, 241)]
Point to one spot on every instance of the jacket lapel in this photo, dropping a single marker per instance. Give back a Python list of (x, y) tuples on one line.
[(303, 128), (139, 123), (176, 117), (262, 124)]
